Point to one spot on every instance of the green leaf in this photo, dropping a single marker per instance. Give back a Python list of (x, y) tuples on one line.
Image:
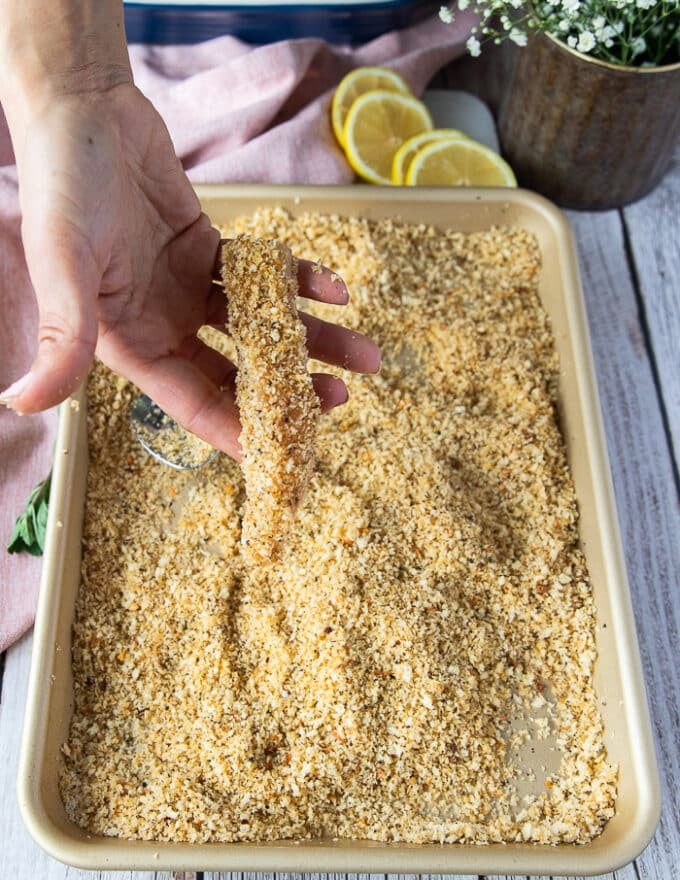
[(20, 538), (31, 515), (28, 535), (41, 524)]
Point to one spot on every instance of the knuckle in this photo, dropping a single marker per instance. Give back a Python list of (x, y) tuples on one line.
[(56, 330)]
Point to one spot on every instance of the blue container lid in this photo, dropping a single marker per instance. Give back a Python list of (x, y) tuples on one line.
[(347, 22)]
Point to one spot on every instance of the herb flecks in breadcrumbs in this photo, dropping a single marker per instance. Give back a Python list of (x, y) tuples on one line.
[(278, 407), (430, 626)]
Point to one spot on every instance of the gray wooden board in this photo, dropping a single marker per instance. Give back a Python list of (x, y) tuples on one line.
[(627, 873), (653, 230), (647, 500), (510, 877), (635, 407)]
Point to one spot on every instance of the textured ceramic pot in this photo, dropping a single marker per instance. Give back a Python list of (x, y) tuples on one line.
[(585, 133)]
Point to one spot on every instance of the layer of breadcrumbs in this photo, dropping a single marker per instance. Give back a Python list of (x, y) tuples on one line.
[(427, 633)]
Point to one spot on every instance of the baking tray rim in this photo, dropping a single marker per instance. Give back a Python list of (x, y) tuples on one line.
[(110, 853)]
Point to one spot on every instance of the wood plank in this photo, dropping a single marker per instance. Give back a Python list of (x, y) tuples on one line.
[(627, 873), (241, 875), (449, 876), (246, 875), (653, 229), (648, 507), (513, 877), (22, 859), (599, 877)]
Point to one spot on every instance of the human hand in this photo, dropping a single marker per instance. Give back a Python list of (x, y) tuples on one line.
[(122, 261)]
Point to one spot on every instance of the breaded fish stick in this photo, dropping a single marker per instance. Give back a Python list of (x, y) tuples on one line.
[(278, 407)]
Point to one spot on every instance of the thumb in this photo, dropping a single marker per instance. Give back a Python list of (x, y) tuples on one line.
[(66, 285)]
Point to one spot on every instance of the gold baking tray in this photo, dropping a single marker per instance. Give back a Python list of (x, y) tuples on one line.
[(618, 677)]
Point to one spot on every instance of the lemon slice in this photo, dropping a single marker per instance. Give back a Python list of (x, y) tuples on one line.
[(458, 163), (406, 152), (358, 82), (377, 124)]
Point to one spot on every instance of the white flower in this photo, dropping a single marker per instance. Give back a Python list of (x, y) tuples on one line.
[(603, 32), (603, 28), (474, 47), (586, 42), (638, 46), (518, 37)]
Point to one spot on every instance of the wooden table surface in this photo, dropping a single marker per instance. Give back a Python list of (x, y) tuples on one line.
[(630, 264)]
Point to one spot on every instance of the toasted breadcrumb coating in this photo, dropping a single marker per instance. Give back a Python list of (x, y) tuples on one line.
[(277, 403)]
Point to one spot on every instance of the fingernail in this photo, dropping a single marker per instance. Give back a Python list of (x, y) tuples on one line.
[(16, 389)]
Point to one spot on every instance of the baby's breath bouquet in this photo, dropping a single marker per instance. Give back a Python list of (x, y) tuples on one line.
[(640, 33)]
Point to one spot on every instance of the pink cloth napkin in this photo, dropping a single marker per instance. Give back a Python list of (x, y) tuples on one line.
[(235, 113)]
